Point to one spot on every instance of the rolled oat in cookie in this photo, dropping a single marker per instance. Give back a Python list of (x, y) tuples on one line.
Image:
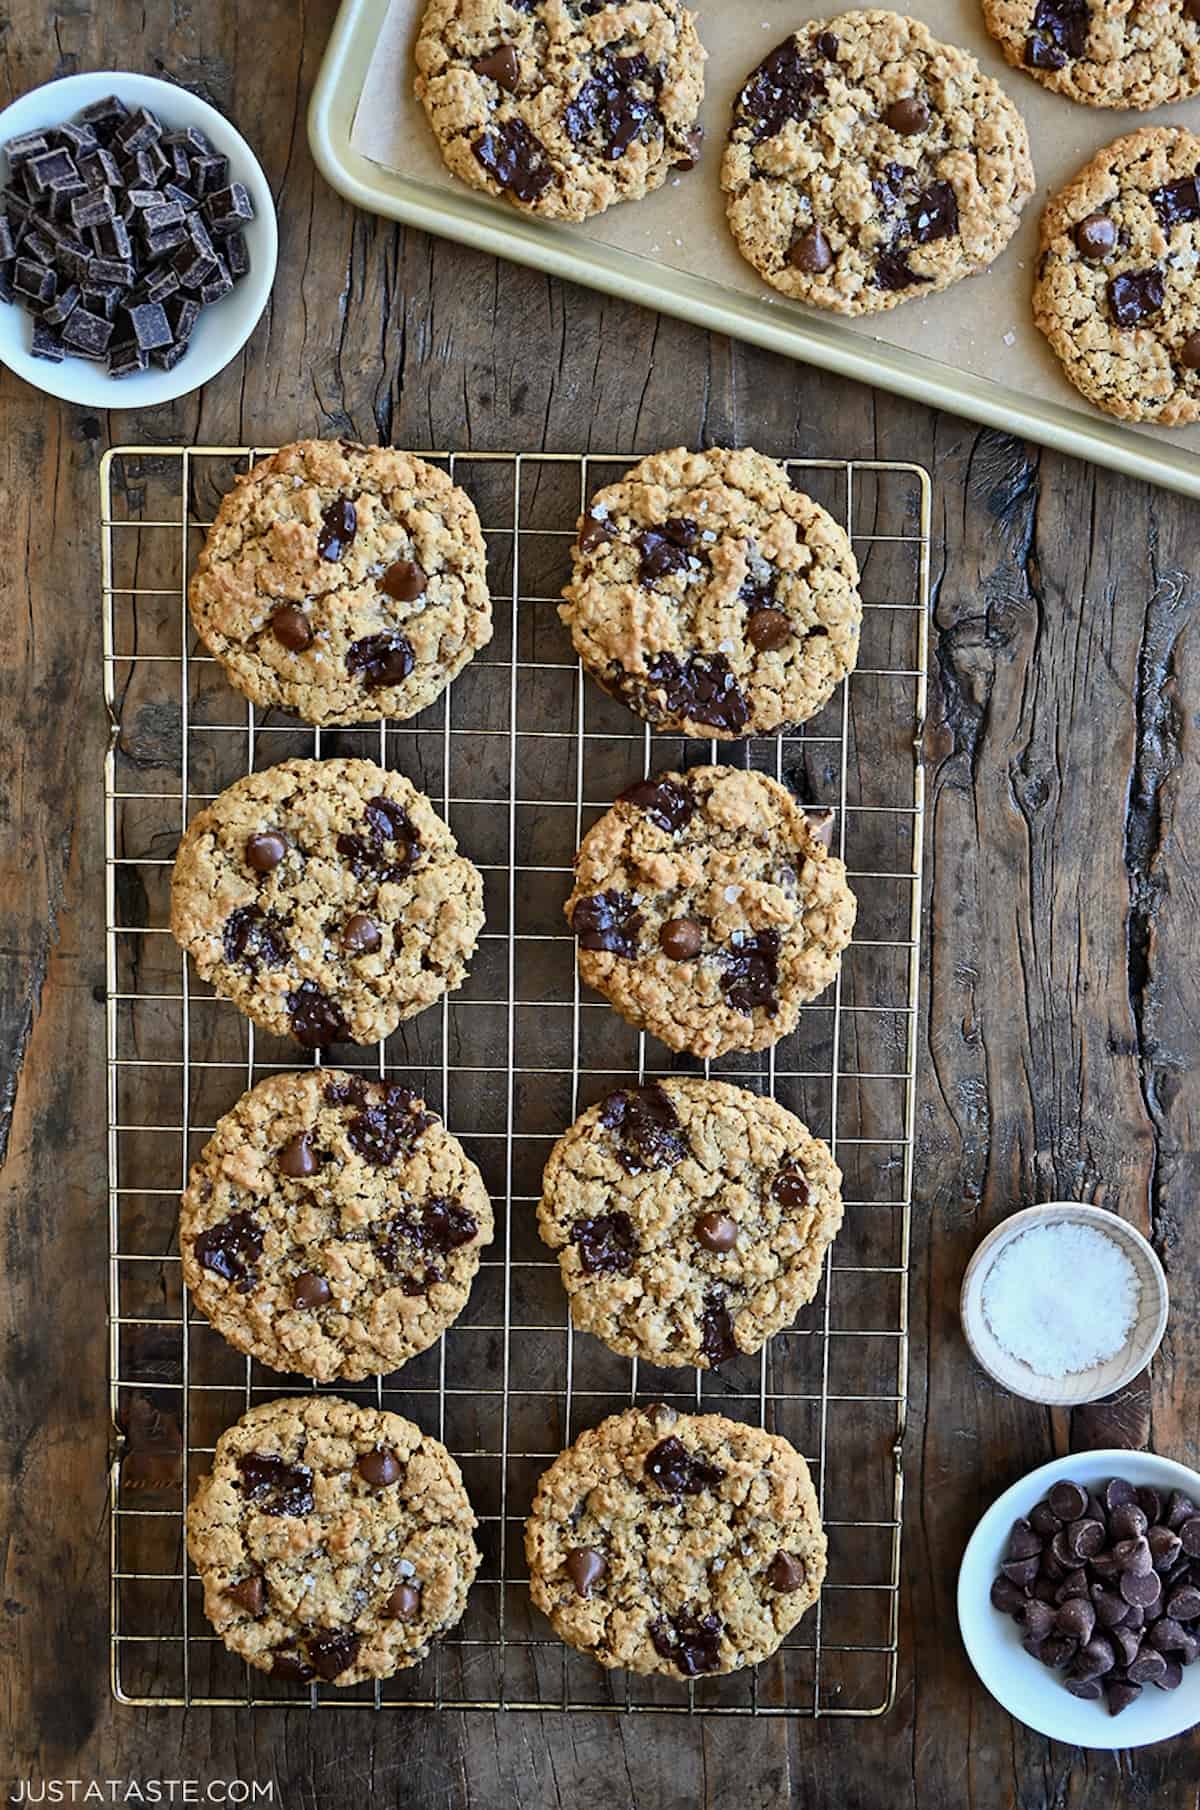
[(334, 1542), (343, 583), (331, 1226), (1106, 53), (868, 164), (690, 1218), (708, 909), (683, 1544), (711, 596), (327, 899), (1117, 291), (562, 107)]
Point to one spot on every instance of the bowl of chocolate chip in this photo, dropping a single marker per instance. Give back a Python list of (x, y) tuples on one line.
[(137, 240), (1079, 1599)]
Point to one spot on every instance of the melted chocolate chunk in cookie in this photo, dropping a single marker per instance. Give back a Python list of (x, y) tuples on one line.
[(441, 1226), (515, 159), (608, 105), (609, 921), (702, 688), (383, 659), (1136, 295), (607, 1244), (716, 1330), (1059, 34), (290, 1664), (231, 1249), (316, 1019), (333, 1651), (892, 272), (692, 1642), (679, 1472), (383, 1133), (275, 1486), (502, 66), (934, 214), (666, 804), (750, 976), (594, 532), (665, 549), (647, 1128), (783, 87), (253, 936), (339, 525), (387, 844), (1176, 203)]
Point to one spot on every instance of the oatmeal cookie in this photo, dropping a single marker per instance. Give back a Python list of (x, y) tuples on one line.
[(1114, 53)]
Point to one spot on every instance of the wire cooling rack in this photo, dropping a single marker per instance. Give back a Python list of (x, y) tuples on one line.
[(521, 755)]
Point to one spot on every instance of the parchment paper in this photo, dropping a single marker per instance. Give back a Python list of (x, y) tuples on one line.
[(983, 326)]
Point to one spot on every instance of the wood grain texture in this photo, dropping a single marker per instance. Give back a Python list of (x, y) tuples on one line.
[(1061, 996)]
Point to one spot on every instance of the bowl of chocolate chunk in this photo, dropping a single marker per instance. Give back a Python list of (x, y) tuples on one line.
[(1064, 1303), (1079, 1599), (137, 240)]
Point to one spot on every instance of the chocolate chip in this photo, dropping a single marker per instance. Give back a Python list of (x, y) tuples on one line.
[(514, 159), (665, 549), (1141, 1588), (1077, 1618), (1059, 33), (265, 851), (1189, 1533), (934, 214), (681, 939), (810, 252), (586, 1568), (693, 1643), (1176, 203), (716, 1331), (1068, 1501), (1172, 1676), (502, 66), (827, 44), (1090, 1689), (1096, 238), (892, 273), (339, 525), (290, 1664), (1010, 1599), (333, 1651), (782, 88), (665, 804), (1042, 1519), (1189, 351), (389, 1127), (647, 1128), (750, 974), (275, 1486), (231, 1249), (716, 1232), (251, 936), (1085, 1538), (907, 115), (768, 630), (250, 1594), (404, 581), (607, 1244), (702, 688), (361, 935), (316, 1020), (1136, 295), (1021, 1572), (404, 1603), (310, 1291), (1184, 1604), (1023, 1542), (790, 1188), (594, 531), (1127, 1522), (609, 921), (679, 1472), (1120, 1693), (297, 1158), (379, 1468), (383, 659)]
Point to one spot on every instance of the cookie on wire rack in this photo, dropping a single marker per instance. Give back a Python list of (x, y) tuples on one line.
[(331, 1226)]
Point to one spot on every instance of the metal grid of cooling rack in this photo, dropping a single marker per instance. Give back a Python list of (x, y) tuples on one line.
[(521, 754)]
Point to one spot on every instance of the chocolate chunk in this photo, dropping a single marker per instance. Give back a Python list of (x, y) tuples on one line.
[(647, 1128), (1189, 352), (149, 324), (594, 531), (310, 1291), (1059, 33), (790, 1188), (290, 1664), (665, 549), (250, 1594), (679, 1472), (46, 344), (265, 851), (139, 130), (1176, 203), (665, 804), (693, 144), (231, 1248), (383, 659), (586, 1568), (907, 115), (316, 1019), (1136, 295), (502, 66), (607, 1244), (693, 1643), (275, 1486), (361, 935), (681, 939), (514, 159), (703, 690), (717, 1340), (228, 209), (404, 1603), (333, 1651), (718, 1233), (750, 973), (297, 1158), (380, 1468), (388, 1129), (34, 280), (252, 937), (768, 629), (934, 214), (339, 525), (609, 107), (782, 88), (404, 580), (892, 272), (608, 921)]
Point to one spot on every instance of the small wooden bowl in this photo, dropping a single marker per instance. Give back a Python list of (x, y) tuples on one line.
[(1081, 1385)]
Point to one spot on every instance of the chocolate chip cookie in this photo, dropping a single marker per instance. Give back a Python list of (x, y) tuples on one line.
[(712, 597), (331, 1226), (1117, 292), (327, 899), (708, 909), (343, 583), (690, 1218), (333, 1541), (676, 1543), (562, 107), (868, 164), (1106, 53)]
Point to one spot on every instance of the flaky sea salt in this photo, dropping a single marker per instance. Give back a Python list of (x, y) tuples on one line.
[(1061, 1297)]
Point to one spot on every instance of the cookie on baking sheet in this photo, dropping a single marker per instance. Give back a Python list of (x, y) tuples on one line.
[(869, 164), (691, 1219), (1110, 53), (1117, 291), (712, 597), (675, 1543), (562, 107), (334, 1542), (332, 1226), (327, 899), (708, 909), (343, 583)]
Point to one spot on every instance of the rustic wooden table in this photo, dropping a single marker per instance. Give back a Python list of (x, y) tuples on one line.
[(1062, 993)]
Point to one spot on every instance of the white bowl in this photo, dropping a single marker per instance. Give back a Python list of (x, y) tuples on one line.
[(223, 329), (1080, 1386), (1025, 1687)]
